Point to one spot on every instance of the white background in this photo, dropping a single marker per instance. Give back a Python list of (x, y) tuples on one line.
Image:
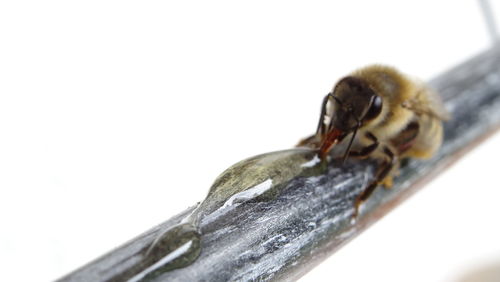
[(116, 115)]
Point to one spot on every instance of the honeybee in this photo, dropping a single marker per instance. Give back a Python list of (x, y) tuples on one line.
[(382, 114)]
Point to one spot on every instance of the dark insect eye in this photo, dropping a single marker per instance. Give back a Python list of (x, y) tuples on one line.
[(374, 110)]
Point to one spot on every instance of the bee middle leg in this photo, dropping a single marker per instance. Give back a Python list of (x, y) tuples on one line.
[(381, 177)]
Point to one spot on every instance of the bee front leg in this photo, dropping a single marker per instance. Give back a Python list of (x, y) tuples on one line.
[(381, 177), (311, 141), (368, 150)]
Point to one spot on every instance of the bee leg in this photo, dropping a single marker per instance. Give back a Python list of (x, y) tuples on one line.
[(311, 141), (382, 174), (314, 142), (368, 150)]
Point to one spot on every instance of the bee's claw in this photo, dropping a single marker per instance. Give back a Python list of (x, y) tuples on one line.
[(357, 207)]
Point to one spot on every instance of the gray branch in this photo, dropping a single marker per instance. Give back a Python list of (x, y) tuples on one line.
[(283, 232)]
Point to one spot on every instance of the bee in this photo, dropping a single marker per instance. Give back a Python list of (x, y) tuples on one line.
[(382, 114)]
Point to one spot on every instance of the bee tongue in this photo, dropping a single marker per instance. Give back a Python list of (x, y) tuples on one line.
[(332, 138)]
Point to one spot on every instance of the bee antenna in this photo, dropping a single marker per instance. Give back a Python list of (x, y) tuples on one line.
[(350, 142), (337, 100), (320, 128)]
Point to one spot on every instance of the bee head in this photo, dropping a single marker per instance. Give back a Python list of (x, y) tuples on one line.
[(352, 104), (356, 103)]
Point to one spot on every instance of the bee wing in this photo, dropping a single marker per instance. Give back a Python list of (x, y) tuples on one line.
[(427, 102)]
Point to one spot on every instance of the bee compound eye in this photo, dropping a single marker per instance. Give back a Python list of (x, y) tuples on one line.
[(374, 110)]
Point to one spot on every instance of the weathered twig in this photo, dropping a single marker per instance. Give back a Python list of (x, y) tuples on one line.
[(311, 218)]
